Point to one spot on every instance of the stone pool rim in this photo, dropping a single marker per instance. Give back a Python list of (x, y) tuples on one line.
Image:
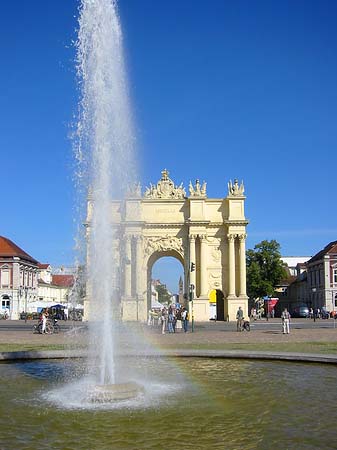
[(181, 353)]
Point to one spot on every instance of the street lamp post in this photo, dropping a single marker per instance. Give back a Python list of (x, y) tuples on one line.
[(191, 300), (191, 291), (26, 295)]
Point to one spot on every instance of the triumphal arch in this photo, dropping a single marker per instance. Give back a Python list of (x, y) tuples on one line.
[(205, 234)]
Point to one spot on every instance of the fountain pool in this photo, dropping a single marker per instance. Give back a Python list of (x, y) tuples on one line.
[(198, 403)]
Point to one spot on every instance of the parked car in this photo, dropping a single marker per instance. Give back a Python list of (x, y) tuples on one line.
[(300, 311), (325, 314)]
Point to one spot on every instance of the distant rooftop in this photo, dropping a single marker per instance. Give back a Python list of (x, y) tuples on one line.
[(8, 249), (292, 261)]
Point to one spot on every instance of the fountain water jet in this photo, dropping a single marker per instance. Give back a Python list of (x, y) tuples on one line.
[(106, 147)]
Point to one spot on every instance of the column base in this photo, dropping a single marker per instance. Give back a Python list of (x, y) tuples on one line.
[(201, 309), (232, 304), (133, 309)]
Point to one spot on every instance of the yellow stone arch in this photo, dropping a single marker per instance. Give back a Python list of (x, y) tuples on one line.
[(165, 220)]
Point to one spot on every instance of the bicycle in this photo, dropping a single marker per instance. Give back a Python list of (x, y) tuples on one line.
[(56, 326), (37, 329)]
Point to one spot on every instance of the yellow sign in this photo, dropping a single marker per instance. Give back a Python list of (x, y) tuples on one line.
[(212, 296)]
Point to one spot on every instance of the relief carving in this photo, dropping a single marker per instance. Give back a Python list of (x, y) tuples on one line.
[(214, 280), (216, 254), (162, 244)]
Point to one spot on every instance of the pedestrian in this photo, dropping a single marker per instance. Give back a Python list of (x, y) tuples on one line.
[(239, 319), (285, 321), (179, 325), (44, 318), (149, 318), (170, 320), (185, 318), (163, 320)]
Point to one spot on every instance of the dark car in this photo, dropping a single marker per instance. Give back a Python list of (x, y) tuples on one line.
[(325, 314), (300, 311)]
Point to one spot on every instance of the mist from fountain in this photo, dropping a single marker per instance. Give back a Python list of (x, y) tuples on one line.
[(106, 140)]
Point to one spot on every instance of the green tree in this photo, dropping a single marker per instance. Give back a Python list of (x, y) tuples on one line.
[(163, 294), (265, 269)]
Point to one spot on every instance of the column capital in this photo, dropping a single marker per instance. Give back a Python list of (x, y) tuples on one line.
[(192, 237), (242, 237), (202, 237), (231, 237)]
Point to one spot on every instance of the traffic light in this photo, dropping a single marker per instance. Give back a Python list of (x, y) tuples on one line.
[(335, 300), (192, 267), (191, 292)]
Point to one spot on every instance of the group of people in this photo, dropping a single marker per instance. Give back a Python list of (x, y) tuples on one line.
[(172, 319), (285, 316)]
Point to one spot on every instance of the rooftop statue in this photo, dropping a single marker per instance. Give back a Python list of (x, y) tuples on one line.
[(134, 190), (235, 189), (197, 190), (165, 189)]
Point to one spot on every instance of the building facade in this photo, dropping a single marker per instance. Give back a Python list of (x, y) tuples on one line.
[(322, 278), (26, 284), (18, 278)]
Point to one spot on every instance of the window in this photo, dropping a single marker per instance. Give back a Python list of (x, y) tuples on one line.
[(334, 275), (5, 277), (5, 302)]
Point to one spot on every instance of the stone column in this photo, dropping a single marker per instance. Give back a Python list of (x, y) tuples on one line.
[(138, 264), (127, 267), (231, 287), (203, 266), (242, 238), (192, 260)]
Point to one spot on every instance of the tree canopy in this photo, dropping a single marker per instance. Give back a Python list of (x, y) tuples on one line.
[(163, 294), (265, 269)]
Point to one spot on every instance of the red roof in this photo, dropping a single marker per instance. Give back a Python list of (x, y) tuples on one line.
[(63, 280), (9, 250), (43, 266)]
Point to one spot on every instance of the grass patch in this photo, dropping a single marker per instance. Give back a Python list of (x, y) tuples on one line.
[(30, 347), (298, 347)]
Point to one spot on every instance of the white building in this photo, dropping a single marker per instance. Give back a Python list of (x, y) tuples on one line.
[(25, 283), (18, 278), (292, 263)]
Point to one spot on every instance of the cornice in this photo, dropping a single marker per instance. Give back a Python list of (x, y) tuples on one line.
[(236, 222), (190, 222), (163, 225)]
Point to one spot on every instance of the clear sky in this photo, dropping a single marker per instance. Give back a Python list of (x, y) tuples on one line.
[(220, 90)]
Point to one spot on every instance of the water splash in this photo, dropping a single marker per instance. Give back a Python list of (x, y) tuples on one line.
[(106, 151)]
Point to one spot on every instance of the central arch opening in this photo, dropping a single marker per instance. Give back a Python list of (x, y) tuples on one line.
[(166, 280)]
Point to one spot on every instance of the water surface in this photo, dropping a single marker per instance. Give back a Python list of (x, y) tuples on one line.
[(189, 403)]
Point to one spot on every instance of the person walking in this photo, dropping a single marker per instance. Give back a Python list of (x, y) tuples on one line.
[(239, 319), (285, 321), (170, 320), (44, 318), (184, 318), (163, 320), (179, 325)]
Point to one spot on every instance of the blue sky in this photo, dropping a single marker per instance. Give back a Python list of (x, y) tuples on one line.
[(250, 84)]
